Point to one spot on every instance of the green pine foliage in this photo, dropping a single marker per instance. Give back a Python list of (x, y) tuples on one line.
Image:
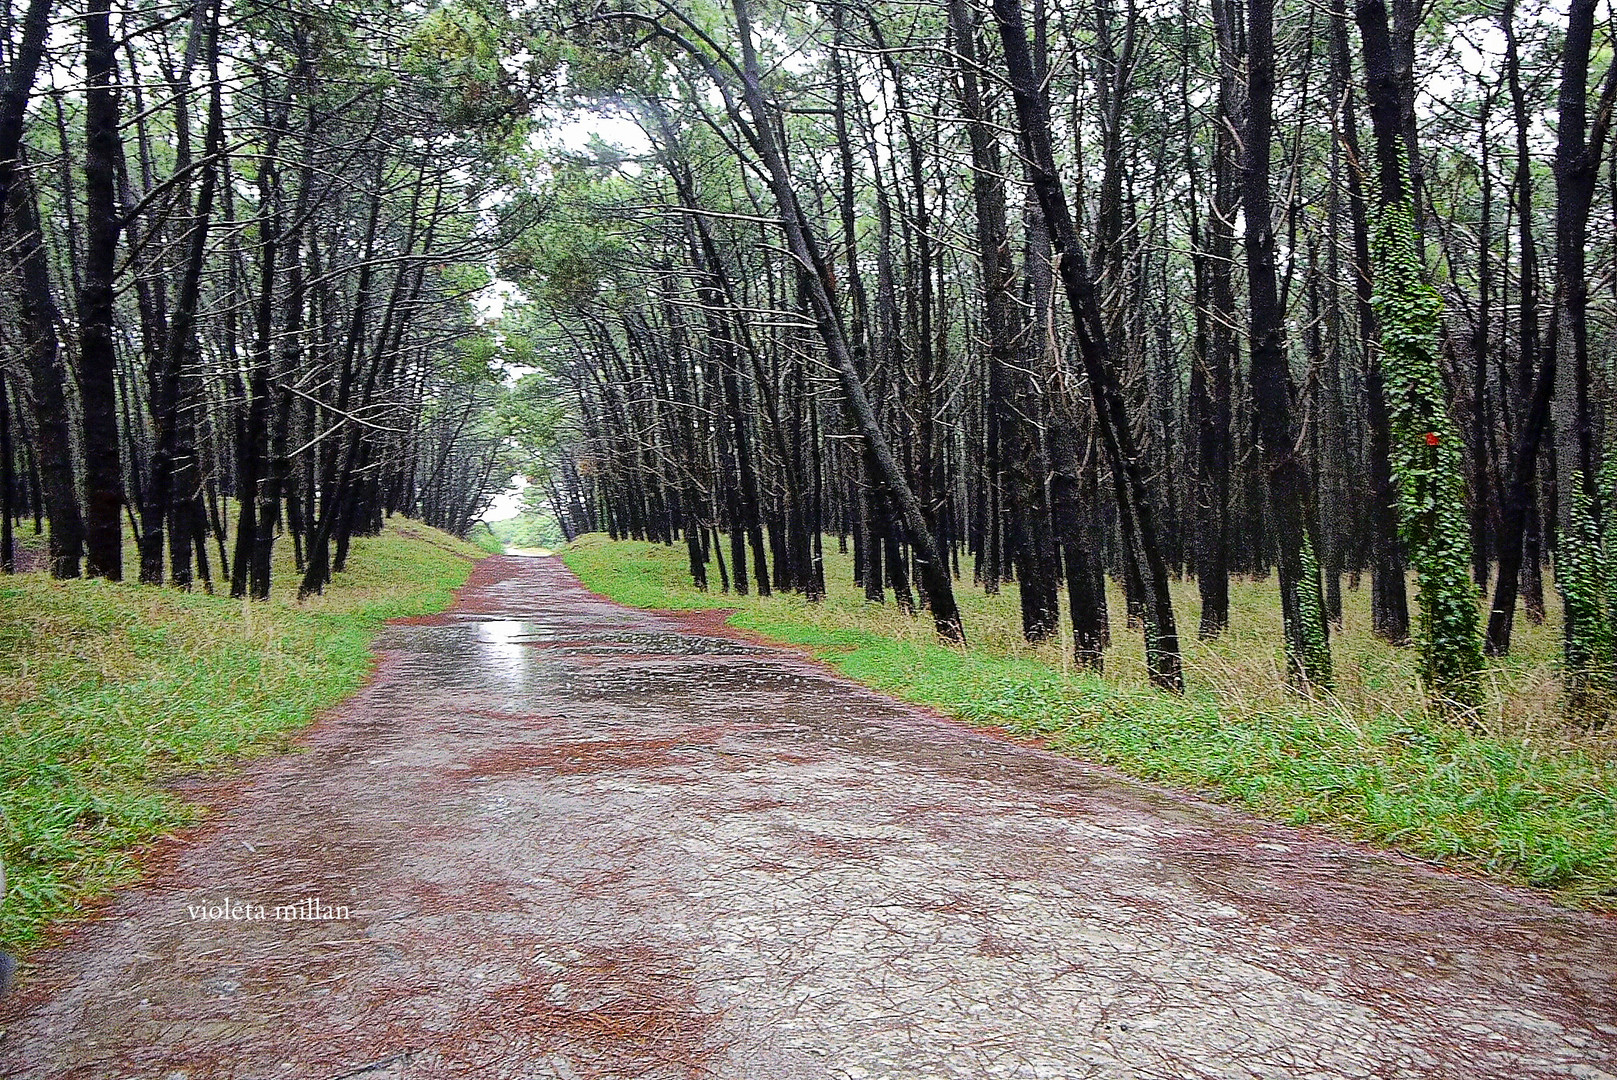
[(1427, 468)]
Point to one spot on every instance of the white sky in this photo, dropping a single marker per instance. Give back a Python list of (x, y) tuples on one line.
[(508, 503)]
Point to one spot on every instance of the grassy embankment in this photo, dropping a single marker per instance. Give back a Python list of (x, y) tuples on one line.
[(1528, 801), (483, 539), (106, 691)]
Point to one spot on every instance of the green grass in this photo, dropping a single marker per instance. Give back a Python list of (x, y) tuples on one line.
[(482, 537), (529, 530), (107, 691), (1527, 801)]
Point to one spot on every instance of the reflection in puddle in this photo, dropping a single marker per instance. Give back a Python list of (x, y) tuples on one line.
[(513, 651), (501, 644)]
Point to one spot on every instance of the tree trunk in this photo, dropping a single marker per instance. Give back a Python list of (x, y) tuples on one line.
[(1134, 502), (48, 380), (24, 63), (1579, 558), (933, 570), (97, 356), (1012, 393), (1307, 648), (1389, 602)]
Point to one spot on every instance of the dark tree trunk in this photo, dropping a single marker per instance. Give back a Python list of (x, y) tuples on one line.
[(48, 381), (1389, 602), (97, 356), (1579, 149), (1213, 361), (1518, 537), (161, 497), (933, 570), (1134, 501), (1012, 393), (8, 483), (1480, 456), (23, 63), (1288, 480), (252, 447)]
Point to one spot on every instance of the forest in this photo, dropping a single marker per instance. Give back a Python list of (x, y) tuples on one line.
[(240, 249), (1047, 299)]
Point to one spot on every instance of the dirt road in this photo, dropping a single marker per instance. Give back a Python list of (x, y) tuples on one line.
[(559, 838)]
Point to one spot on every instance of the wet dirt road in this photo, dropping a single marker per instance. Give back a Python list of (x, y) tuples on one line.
[(575, 840)]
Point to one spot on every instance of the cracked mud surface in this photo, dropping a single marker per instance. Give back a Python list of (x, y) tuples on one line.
[(577, 840)]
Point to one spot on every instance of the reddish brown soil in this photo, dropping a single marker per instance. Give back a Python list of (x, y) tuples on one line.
[(575, 840)]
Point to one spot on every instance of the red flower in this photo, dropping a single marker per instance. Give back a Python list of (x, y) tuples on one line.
[(1431, 438)]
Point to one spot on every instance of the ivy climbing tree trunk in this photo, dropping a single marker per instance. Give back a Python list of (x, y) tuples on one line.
[(1427, 466)]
